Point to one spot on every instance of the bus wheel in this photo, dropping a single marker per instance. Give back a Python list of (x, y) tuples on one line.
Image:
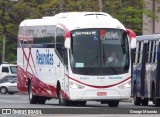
[(79, 103), (32, 98), (137, 100), (62, 101), (82, 103), (157, 102), (41, 100), (113, 103), (145, 102)]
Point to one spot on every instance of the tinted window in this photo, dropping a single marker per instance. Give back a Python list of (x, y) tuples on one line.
[(91, 48), (36, 36), (5, 69), (13, 69), (62, 52)]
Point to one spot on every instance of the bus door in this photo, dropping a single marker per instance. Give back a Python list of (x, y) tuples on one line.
[(62, 60), (66, 73), (62, 68)]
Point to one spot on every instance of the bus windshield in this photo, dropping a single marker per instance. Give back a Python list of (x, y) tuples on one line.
[(99, 51)]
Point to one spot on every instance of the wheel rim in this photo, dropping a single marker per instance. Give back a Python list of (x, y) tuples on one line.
[(135, 97), (3, 90), (30, 92), (135, 94), (60, 96)]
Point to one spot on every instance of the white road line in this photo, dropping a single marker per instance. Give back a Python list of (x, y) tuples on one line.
[(3, 100)]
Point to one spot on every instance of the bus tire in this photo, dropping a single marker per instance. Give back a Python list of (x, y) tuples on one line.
[(82, 103), (41, 100), (145, 102), (62, 101), (79, 103), (113, 103), (153, 93), (32, 98), (137, 100), (157, 102)]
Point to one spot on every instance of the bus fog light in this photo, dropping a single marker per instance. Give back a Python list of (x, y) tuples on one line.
[(75, 86), (126, 85)]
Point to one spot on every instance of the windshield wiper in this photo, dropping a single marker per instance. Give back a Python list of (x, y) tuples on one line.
[(110, 66)]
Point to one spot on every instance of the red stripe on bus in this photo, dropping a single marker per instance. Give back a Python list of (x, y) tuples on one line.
[(94, 86)]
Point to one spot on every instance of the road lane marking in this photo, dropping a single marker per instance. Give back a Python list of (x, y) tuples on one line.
[(3, 100)]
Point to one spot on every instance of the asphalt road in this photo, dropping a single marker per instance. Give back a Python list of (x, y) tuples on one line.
[(19, 104)]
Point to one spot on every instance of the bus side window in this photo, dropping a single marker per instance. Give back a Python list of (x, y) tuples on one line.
[(135, 61), (136, 53), (43, 35), (158, 52), (147, 56), (62, 51), (5, 69), (139, 52), (65, 57), (153, 51)]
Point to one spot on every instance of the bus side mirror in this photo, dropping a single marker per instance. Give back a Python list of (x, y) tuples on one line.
[(67, 36), (132, 37), (67, 43)]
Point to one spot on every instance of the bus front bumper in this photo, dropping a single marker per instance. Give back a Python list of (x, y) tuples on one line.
[(107, 94)]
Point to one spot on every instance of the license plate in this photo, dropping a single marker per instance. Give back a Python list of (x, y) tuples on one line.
[(101, 93)]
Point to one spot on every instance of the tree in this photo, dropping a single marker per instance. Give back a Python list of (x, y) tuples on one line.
[(129, 12)]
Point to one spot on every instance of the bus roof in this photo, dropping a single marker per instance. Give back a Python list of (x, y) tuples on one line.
[(148, 37), (77, 20)]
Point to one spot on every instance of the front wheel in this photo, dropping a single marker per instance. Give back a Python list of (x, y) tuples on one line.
[(41, 100), (145, 102), (62, 101), (137, 100), (157, 102), (113, 103), (3, 90), (32, 98), (79, 103)]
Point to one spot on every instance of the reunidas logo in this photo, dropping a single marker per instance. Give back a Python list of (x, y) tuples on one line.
[(44, 58)]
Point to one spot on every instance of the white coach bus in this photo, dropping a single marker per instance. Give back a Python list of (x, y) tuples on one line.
[(70, 56)]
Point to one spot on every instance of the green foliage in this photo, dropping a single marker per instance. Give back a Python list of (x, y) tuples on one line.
[(1, 43), (129, 12)]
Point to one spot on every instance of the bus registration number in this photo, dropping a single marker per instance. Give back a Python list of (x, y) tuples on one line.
[(101, 93)]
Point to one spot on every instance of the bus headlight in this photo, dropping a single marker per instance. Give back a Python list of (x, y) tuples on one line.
[(75, 86), (126, 85)]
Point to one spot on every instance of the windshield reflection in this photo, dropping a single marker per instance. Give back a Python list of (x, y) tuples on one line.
[(99, 52)]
